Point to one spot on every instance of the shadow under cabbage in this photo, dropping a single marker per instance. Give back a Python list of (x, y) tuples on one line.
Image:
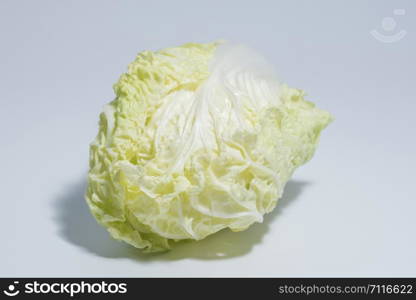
[(78, 227)]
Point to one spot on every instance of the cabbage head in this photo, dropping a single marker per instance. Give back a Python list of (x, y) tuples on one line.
[(199, 138)]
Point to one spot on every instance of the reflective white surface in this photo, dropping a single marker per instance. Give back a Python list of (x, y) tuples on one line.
[(349, 212)]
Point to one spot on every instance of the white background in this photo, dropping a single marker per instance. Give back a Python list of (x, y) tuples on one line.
[(349, 212)]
